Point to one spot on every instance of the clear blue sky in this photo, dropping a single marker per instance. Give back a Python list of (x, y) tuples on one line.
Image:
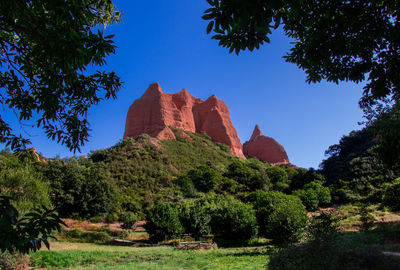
[(166, 41)]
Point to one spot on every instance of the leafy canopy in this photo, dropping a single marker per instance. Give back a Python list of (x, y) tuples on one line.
[(334, 40), (45, 49)]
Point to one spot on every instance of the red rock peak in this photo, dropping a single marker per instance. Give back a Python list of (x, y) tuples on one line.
[(155, 111), (257, 132)]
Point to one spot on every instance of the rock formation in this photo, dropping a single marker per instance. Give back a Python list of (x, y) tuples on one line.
[(155, 111), (265, 148)]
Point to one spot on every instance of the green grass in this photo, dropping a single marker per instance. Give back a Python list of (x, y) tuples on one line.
[(90, 256)]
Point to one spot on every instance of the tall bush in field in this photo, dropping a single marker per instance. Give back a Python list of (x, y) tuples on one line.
[(163, 222), (279, 216), (233, 219), (195, 217)]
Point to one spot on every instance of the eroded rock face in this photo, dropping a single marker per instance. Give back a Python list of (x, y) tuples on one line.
[(156, 110), (265, 148)]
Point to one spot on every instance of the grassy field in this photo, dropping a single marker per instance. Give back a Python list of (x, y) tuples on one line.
[(90, 256)]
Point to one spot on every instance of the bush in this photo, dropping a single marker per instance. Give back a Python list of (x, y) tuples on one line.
[(195, 217), (332, 255), (77, 235), (11, 261), (111, 218), (233, 219), (313, 194), (278, 177), (80, 186), (163, 222), (391, 197), (96, 219), (280, 217), (128, 219), (204, 178), (22, 181)]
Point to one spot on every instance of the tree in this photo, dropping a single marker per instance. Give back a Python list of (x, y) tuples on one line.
[(45, 48), (27, 233), (163, 222), (280, 217), (333, 40)]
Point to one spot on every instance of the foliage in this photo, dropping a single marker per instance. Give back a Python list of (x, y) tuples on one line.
[(354, 170), (366, 218), (26, 233), (391, 195), (249, 174), (299, 177), (322, 227), (313, 194), (78, 235), (195, 217), (11, 261), (332, 40), (79, 187), (332, 255), (128, 219), (163, 222), (204, 178), (278, 178), (21, 180), (387, 126), (233, 219), (365, 44), (280, 217), (45, 48)]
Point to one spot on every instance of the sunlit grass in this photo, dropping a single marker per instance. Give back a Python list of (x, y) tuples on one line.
[(91, 256)]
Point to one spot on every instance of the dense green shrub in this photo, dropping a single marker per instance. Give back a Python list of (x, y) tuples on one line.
[(79, 187), (280, 217), (313, 194), (278, 178), (195, 217), (332, 255), (250, 174), (391, 195), (163, 222), (21, 180), (186, 185), (128, 219), (204, 178), (233, 219), (78, 235)]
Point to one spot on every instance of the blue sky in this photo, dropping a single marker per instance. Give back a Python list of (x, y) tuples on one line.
[(166, 41)]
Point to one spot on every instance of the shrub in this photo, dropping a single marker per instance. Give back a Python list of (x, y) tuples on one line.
[(96, 219), (278, 177), (280, 217), (308, 197), (128, 219), (204, 178), (11, 261), (195, 217), (163, 222), (332, 255), (322, 227), (111, 218), (391, 197), (186, 185), (79, 186), (233, 219), (313, 194), (22, 181), (77, 235)]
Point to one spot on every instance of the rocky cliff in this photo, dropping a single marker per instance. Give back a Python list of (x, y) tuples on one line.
[(265, 148), (155, 111)]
